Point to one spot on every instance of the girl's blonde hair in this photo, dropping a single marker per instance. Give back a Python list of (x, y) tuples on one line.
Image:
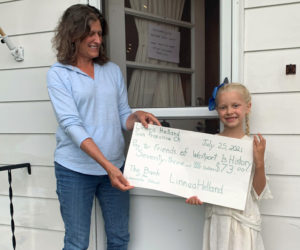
[(245, 94)]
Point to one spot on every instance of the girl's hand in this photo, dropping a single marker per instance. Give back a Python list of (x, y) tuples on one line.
[(194, 200), (259, 179), (259, 146)]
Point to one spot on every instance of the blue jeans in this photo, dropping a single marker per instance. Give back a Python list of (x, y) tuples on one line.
[(76, 192)]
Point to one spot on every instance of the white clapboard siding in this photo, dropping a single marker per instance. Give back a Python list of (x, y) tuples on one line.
[(32, 212), (281, 233), (154, 225), (23, 85), (37, 51), (27, 20), (27, 117), (275, 113), (31, 239), (283, 154), (258, 3), (265, 71), (37, 239), (271, 41), (30, 125), (285, 202), (37, 149), (41, 183), (272, 28), (100, 230), (5, 1)]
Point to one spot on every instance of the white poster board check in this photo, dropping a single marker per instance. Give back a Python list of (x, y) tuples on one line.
[(215, 168)]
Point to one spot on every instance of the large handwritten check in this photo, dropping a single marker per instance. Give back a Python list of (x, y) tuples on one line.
[(215, 168)]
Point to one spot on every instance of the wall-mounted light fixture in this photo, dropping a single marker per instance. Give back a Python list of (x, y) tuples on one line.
[(17, 52)]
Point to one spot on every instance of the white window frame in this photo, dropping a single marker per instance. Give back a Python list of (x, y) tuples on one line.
[(95, 3), (228, 52)]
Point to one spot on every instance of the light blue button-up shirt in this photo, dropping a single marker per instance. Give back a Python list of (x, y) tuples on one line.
[(88, 108)]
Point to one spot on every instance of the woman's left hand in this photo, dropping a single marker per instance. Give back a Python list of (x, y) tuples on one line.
[(140, 116), (146, 118)]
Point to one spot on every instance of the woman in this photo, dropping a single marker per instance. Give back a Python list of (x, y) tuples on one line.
[(89, 98)]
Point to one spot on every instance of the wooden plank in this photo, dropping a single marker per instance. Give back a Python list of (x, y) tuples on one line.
[(37, 239), (175, 223), (272, 28), (258, 3), (279, 161), (6, 1), (27, 117), (32, 212), (37, 52), (40, 184), (20, 148), (23, 85), (99, 228), (275, 113), (24, 21), (31, 239), (281, 233), (286, 201), (266, 71)]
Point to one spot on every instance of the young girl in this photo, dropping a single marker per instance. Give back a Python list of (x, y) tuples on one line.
[(227, 228)]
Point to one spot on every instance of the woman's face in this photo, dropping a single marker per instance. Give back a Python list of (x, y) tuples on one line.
[(90, 46)]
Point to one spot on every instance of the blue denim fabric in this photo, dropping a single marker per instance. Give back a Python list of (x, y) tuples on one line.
[(76, 192)]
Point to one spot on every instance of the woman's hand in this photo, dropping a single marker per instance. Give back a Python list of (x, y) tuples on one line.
[(146, 118), (194, 200), (117, 179), (115, 175), (140, 116)]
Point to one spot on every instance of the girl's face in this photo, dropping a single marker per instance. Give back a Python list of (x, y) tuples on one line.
[(232, 109), (90, 46)]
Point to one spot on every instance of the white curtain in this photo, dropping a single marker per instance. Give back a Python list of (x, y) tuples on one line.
[(152, 88)]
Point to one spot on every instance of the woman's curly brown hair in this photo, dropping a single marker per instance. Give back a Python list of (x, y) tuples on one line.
[(72, 28)]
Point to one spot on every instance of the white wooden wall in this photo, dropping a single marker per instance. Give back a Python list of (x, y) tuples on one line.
[(27, 134), (272, 35), (27, 130), (271, 41)]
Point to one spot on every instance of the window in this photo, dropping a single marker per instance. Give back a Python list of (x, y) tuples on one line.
[(139, 40), (158, 53)]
